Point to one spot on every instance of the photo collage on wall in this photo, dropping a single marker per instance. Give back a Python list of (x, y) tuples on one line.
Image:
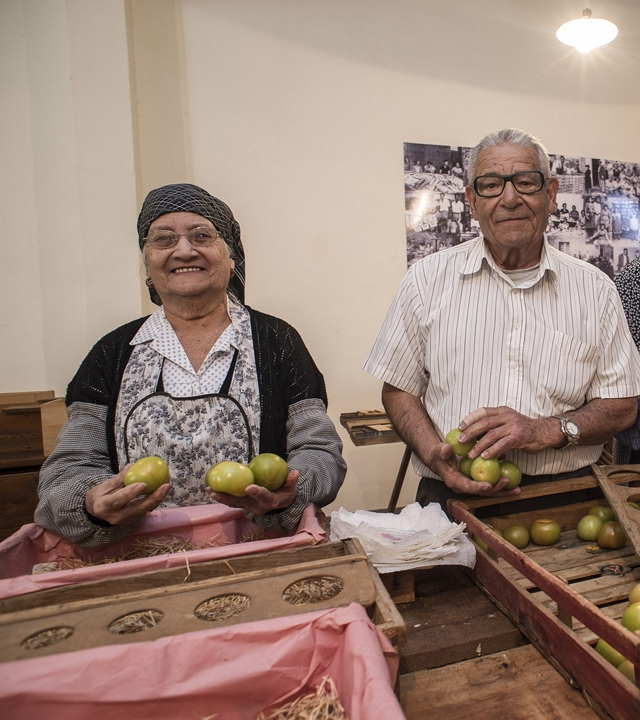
[(596, 219)]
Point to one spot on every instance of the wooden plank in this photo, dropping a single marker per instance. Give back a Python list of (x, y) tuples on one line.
[(451, 620), (518, 684), (140, 582), (26, 397)]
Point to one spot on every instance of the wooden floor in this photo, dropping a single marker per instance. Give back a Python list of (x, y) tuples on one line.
[(463, 659)]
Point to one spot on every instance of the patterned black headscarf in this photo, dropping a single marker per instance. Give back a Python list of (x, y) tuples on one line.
[(191, 198)]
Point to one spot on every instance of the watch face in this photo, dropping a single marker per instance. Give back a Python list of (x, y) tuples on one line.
[(572, 428)]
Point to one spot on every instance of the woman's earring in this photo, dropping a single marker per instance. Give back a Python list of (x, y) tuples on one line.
[(148, 282)]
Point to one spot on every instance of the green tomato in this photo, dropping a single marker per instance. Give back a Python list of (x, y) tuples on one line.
[(152, 471), (628, 670), (589, 527), (465, 466), (634, 594), (634, 505), (485, 470), (511, 471), (604, 512), (269, 470), (611, 536), (229, 477), (544, 531), (517, 535), (631, 617), (458, 448), (609, 654)]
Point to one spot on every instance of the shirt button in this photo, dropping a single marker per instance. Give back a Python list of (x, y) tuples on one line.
[(514, 365)]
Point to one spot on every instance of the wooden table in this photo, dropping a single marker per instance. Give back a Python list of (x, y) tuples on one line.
[(463, 659)]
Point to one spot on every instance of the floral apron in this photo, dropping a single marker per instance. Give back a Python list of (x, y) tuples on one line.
[(190, 433)]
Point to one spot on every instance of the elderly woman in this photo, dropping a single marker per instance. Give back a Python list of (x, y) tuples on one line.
[(203, 379)]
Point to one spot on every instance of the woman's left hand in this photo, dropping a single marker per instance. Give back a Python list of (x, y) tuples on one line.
[(259, 500)]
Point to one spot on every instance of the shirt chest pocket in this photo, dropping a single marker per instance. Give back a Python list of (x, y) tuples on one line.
[(570, 369)]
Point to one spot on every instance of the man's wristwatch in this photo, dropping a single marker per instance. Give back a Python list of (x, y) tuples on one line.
[(570, 429)]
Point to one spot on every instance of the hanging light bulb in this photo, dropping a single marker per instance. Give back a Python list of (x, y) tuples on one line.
[(587, 33)]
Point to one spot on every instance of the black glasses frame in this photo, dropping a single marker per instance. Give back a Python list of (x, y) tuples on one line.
[(509, 178)]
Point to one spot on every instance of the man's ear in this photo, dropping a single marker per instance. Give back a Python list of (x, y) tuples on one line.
[(471, 199)]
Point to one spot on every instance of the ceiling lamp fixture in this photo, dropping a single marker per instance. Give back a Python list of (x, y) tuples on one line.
[(587, 33)]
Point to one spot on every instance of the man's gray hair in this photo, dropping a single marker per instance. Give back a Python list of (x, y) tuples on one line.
[(509, 136)]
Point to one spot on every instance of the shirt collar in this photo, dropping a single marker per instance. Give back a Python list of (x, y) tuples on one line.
[(479, 253), (158, 332)]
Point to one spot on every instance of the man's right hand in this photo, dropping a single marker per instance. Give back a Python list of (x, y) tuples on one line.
[(118, 504)]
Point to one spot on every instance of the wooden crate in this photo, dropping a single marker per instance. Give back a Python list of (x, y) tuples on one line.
[(566, 596), (29, 425), (89, 609)]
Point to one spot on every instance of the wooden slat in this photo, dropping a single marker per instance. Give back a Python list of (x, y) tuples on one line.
[(609, 478), (518, 684), (26, 397)]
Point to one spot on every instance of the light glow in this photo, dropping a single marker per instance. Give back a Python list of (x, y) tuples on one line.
[(587, 33)]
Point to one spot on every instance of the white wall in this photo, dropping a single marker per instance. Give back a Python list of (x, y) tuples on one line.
[(69, 272), (298, 113), (292, 111)]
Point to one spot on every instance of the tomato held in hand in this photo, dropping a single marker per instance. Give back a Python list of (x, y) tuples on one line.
[(512, 472), (269, 470), (152, 471), (229, 477), (460, 449), (485, 470)]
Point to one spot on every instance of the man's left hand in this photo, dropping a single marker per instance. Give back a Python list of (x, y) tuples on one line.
[(259, 500), (499, 429)]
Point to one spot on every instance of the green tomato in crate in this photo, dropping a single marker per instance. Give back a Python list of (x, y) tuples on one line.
[(634, 594), (269, 470), (611, 536), (544, 531), (604, 512), (627, 669), (589, 527), (609, 654), (152, 471), (517, 535), (631, 617), (229, 477)]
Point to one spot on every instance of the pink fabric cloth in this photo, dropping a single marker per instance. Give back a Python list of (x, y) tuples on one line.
[(198, 524), (231, 673)]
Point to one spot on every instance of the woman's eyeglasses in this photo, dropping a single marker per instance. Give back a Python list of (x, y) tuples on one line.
[(197, 237)]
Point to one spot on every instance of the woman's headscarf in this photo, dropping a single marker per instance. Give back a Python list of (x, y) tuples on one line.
[(191, 198)]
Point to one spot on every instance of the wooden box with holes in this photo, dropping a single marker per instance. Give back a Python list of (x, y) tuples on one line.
[(567, 596), (151, 605)]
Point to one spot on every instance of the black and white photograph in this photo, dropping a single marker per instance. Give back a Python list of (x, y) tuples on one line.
[(597, 215)]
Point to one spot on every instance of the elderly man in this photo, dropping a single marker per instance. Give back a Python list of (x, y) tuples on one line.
[(519, 345)]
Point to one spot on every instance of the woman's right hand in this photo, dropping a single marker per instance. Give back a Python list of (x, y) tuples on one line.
[(118, 504)]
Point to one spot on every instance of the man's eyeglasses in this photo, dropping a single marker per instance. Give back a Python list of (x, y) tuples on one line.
[(197, 237), (526, 183)]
